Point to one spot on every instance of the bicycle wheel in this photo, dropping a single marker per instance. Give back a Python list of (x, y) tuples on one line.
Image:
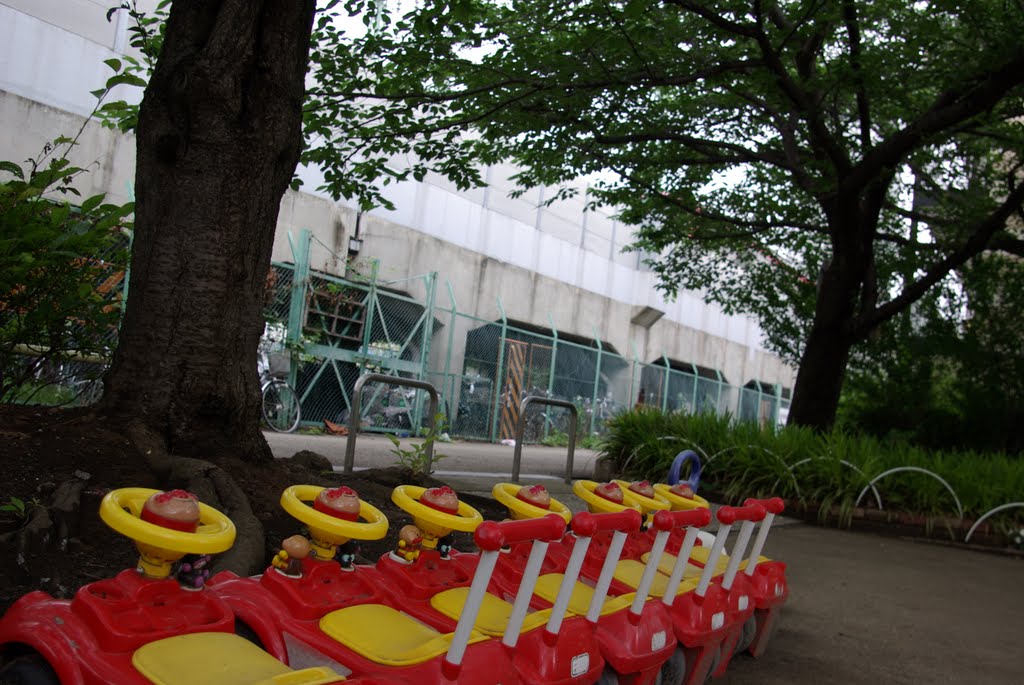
[(280, 407)]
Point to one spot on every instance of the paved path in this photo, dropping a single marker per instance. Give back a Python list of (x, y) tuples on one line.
[(872, 610), (862, 608), (539, 463)]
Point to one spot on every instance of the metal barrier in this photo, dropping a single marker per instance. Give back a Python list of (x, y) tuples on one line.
[(521, 431), (357, 400)]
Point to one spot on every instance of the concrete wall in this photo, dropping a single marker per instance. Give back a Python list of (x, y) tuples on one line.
[(538, 259)]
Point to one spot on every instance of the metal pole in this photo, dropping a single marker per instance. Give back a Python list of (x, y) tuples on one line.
[(452, 407), (664, 391), (297, 305), (597, 381), (357, 400), (517, 454), (426, 338), (718, 399), (501, 370), (632, 378), (696, 378), (551, 373)]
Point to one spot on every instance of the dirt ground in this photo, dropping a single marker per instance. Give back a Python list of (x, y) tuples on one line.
[(41, 448)]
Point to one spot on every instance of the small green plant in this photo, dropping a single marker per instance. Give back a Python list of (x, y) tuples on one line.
[(416, 458), (15, 506), (556, 438)]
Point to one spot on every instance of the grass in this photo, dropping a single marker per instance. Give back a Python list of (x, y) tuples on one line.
[(743, 460)]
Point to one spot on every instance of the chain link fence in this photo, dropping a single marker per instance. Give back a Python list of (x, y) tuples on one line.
[(339, 329), (331, 330)]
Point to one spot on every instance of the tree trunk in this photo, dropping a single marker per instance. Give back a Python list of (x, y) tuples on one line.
[(819, 382), (219, 136), (841, 295)]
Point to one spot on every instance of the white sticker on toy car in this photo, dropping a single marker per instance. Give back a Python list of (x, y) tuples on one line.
[(580, 664), (717, 620), (658, 641), (743, 602)]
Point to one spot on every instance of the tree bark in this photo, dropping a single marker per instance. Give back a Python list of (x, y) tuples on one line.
[(219, 136), (841, 296)]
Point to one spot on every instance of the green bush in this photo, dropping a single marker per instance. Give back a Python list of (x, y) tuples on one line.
[(743, 460), (57, 263)]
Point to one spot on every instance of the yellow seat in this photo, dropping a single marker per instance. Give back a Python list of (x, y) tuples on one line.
[(629, 572), (219, 659), (701, 553), (579, 603), (494, 612), (668, 561), (387, 636)]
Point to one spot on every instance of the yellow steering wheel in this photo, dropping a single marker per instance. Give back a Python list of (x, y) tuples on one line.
[(432, 523), (584, 489), (680, 503), (160, 547), (506, 493), (326, 531), (648, 505)]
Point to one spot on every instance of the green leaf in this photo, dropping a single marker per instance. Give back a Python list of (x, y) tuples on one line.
[(113, 63), (12, 168), (92, 203), (125, 79)]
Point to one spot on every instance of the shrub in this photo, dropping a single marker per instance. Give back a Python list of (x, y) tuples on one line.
[(57, 266)]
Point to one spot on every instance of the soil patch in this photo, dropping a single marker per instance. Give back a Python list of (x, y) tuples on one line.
[(43, 450)]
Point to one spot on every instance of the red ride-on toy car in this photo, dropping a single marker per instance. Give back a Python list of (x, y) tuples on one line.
[(635, 635), (707, 619), (144, 626), (550, 647), (377, 620), (767, 577)]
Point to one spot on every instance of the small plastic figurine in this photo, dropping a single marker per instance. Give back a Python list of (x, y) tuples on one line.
[(193, 571), (347, 553), (409, 540), (537, 495), (289, 560), (642, 488), (610, 491), (444, 546)]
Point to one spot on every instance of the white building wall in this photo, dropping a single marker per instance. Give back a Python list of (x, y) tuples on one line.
[(539, 259)]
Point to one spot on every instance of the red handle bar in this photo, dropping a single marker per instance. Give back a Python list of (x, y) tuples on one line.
[(751, 511), (775, 505), (586, 524), (492, 535), (667, 520)]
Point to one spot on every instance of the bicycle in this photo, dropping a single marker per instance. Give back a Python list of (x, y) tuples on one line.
[(281, 408)]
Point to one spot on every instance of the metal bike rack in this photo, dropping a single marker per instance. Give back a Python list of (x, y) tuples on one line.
[(356, 410), (521, 430)]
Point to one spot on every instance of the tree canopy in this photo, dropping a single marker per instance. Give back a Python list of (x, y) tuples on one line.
[(819, 164)]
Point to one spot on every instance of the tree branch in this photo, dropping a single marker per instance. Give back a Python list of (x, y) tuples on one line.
[(975, 244), (950, 108), (853, 35)]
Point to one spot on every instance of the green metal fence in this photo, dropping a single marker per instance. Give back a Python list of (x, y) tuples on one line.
[(340, 328)]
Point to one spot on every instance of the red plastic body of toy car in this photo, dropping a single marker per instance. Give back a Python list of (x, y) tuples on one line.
[(292, 618)]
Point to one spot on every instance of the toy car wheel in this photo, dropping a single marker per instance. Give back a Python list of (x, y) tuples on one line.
[(608, 677), (747, 636), (674, 670), (714, 663), (28, 670)]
